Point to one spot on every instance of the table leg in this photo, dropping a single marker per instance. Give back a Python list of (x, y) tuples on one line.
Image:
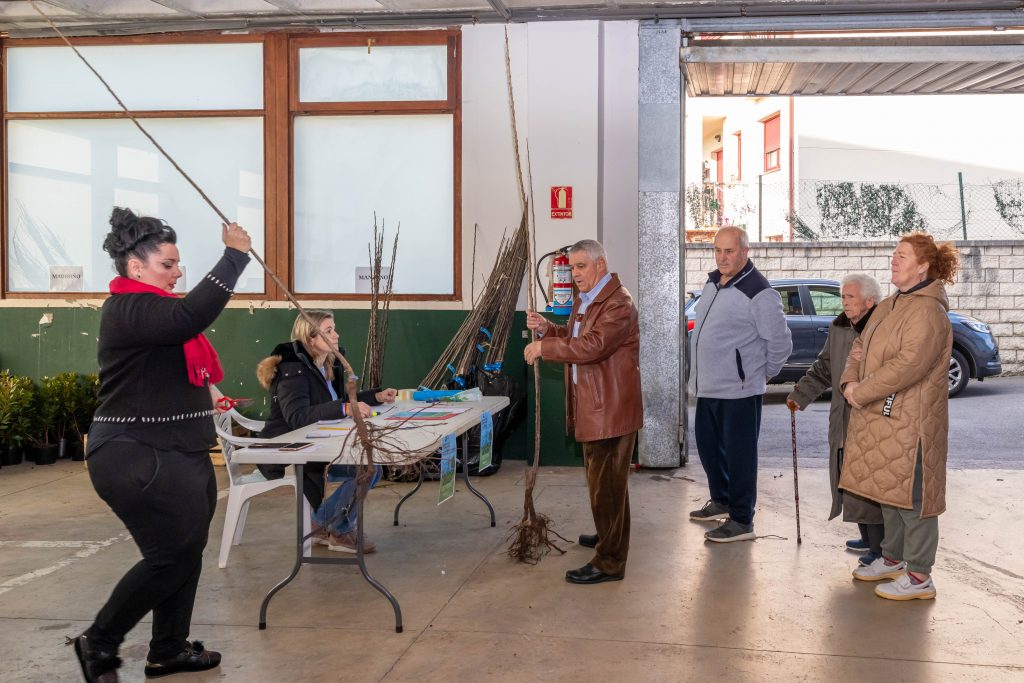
[(465, 475), (299, 510), (361, 560), (409, 495)]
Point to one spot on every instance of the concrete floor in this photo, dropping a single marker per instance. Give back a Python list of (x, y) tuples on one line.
[(764, 610)]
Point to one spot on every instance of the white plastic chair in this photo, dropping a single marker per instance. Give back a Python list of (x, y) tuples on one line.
[(247, 422), (243, 487)]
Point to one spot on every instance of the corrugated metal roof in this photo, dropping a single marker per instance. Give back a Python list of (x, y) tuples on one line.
[(902, 65)]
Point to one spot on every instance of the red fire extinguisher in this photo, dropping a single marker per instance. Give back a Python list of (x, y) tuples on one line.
[(561, 285)]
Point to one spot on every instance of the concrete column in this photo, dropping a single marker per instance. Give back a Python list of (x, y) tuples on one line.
[(659, 248)]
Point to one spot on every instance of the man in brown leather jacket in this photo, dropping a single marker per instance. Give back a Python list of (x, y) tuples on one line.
[(604, 408)]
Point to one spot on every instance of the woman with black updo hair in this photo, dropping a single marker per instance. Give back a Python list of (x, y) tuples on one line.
[(150, 439)]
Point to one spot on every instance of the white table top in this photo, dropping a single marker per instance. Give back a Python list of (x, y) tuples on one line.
[(401, 442)]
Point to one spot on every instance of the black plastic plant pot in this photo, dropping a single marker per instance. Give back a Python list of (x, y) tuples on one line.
[(45, 455), (11, 456), (72, 449)]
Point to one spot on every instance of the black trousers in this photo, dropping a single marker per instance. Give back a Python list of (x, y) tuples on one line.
[(166, 499), (726, 430)]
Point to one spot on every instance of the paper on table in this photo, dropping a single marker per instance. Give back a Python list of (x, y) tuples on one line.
[(432, 413), (327, 432)]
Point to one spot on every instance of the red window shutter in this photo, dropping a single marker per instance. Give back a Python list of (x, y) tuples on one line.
[(771, 144), (771, 133)]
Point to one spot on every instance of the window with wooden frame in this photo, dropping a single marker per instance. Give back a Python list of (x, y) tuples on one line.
[(71, 154), (772, 143), (285, 141), (376, 130)]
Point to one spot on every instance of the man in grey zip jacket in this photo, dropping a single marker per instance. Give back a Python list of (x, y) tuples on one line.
[(739, 341)]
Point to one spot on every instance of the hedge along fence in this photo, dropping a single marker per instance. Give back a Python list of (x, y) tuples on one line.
[(837, 210), (989, 286)]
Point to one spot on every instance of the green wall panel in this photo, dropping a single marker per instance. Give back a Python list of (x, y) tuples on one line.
[(243, 337)]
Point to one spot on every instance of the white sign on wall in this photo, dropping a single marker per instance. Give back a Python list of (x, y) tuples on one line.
[(364, 279), (66, 279)]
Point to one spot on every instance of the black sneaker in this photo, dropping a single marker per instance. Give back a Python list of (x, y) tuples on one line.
[(97, 666), (731, 531), (193, 658), (710, 512)]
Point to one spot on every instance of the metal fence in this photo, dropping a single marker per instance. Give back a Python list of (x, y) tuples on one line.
[(857, 210)]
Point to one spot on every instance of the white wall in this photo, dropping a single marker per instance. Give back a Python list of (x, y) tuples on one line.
[(618, 224), (919, 139), (567, 110)]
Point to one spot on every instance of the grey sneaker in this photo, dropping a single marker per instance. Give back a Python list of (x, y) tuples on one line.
[(731, 531), (710, 512)]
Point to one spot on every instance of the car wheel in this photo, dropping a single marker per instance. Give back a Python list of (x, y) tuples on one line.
[(959, 373)]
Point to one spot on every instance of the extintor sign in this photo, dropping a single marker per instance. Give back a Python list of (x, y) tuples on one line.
[(561, 201)]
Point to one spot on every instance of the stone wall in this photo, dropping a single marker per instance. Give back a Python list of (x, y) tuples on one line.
[(989, 286)]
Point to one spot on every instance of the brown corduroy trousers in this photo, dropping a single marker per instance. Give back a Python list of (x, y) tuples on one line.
[(606, 463)]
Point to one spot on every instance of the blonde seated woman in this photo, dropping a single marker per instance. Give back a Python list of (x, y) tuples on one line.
[(305, 388)]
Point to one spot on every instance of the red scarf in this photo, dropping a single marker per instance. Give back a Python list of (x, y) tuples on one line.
[(200, 357)]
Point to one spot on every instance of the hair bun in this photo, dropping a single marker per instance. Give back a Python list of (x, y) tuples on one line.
[(128, 229)]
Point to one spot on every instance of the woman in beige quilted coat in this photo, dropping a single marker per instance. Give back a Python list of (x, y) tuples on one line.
[(896, 382)]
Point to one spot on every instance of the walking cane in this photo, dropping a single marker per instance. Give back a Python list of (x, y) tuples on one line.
[(796, 476)]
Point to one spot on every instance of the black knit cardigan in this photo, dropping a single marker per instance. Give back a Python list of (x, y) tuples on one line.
[(144, 393)]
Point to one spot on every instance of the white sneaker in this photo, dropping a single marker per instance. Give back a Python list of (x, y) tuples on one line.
[(905, 589), (879, 570), (319, 535)]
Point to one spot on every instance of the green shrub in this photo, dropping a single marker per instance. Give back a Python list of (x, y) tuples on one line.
[(17, 403), (47, 410), (87, 390)]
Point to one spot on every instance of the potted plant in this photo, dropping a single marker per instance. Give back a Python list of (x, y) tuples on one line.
[(45, 446), (16, 405), (66, 395), (87, 389)]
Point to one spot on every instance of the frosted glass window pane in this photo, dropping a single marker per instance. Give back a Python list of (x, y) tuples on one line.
[(145, 77), (347, 168), (64, 176), (387, 74)]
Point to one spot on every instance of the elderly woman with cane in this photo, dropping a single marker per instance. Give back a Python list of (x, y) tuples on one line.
[(149, 444), (896, 382), (860, 293)]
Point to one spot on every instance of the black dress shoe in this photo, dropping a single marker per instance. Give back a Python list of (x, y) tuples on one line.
[(588, 573), (588, 540), (97, 666), (194, 657)]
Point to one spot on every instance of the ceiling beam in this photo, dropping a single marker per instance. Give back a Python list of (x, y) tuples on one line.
[(499, 7), (722, 17), (180, 6), (879, 21), (832, 54)]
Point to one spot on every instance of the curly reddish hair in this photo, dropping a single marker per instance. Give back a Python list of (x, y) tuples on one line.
[(942, 259)]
